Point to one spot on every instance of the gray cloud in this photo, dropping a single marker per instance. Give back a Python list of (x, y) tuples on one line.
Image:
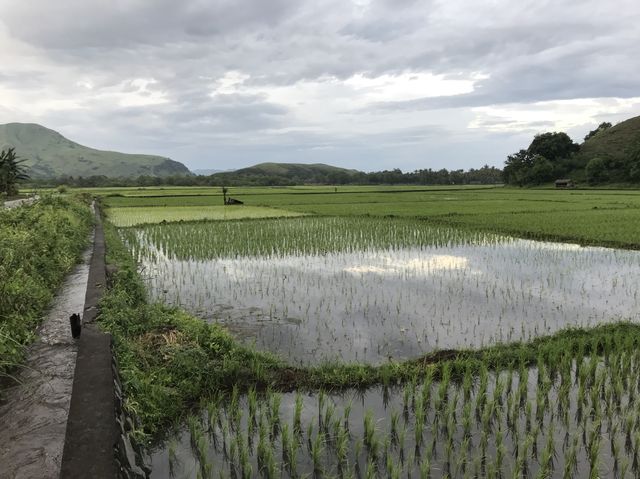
[(75, 63)]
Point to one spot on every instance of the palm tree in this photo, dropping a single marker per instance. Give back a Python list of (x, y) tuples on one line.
[(11, 171)]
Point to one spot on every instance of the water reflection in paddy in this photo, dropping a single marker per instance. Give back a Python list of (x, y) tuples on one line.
[(376, 304)]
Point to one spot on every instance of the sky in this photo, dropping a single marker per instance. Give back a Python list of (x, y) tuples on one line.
[(371, 85)]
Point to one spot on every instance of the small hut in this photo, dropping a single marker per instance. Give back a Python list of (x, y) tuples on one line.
[(564, 183)]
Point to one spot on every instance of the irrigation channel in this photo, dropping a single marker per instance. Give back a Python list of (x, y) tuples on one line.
[(372, 291), (34, 411)]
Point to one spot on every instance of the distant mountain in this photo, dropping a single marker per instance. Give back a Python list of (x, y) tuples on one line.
[(286, 174), (292, 169), (50, 155)]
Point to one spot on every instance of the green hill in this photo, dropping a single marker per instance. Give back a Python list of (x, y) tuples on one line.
[(612, 155), (608, 155), (292, 169), (50, 155), (285, 174), (617, 143)]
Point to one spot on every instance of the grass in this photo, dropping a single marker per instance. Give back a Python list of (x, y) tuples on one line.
[(122, 217), (38, 245)]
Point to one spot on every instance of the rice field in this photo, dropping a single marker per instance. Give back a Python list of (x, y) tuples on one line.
[(560, 417), (123, 217), (319, 291), (315, 290)]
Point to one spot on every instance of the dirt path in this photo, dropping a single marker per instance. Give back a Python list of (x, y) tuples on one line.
[(91, 426), (33, 413)]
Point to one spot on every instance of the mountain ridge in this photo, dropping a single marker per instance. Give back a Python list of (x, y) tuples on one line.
[(49, 154)]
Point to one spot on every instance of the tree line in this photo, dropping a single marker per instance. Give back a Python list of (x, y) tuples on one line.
[(484, 175), (555, 155)]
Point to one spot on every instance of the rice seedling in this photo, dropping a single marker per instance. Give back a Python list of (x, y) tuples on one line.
[(396, 288), (376, 291)]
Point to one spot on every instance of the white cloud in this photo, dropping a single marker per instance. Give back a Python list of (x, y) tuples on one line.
[(557, 115)]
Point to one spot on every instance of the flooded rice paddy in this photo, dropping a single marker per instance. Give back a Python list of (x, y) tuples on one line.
[(313, 290), (561, 418), (401, 293)]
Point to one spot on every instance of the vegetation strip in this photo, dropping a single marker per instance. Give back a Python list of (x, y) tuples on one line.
[(39, 244)]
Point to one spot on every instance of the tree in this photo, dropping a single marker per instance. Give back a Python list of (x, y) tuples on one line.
[(516, 168), (541, 171), (597, 171), (12, 170), (603, 126), (553, 146)]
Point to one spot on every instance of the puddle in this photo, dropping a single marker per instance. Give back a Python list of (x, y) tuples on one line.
[(34, 412)]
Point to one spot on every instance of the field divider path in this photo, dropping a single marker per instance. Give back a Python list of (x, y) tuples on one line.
[(91, 428)]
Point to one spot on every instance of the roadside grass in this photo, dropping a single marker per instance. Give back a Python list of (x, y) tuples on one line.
[(39, 244)]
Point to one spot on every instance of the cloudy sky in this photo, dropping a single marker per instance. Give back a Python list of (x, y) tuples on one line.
[(363, 84)]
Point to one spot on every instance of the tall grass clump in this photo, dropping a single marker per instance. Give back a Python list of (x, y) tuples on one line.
[(39, 244)]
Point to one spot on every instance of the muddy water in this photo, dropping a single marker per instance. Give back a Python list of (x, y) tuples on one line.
[(373, 305), (33, 413)]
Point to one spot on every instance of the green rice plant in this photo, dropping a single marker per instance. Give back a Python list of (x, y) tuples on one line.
[(394, 427), (462, 460), (401, 442), (501, 450), (372, 469), (593, 453), (297, 422), (289, 450), (252, 401), (548, 454), (466, 419), (571, 459), (274, 413), (317, 450), (213, 415), (342, 449), (370, 439)]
